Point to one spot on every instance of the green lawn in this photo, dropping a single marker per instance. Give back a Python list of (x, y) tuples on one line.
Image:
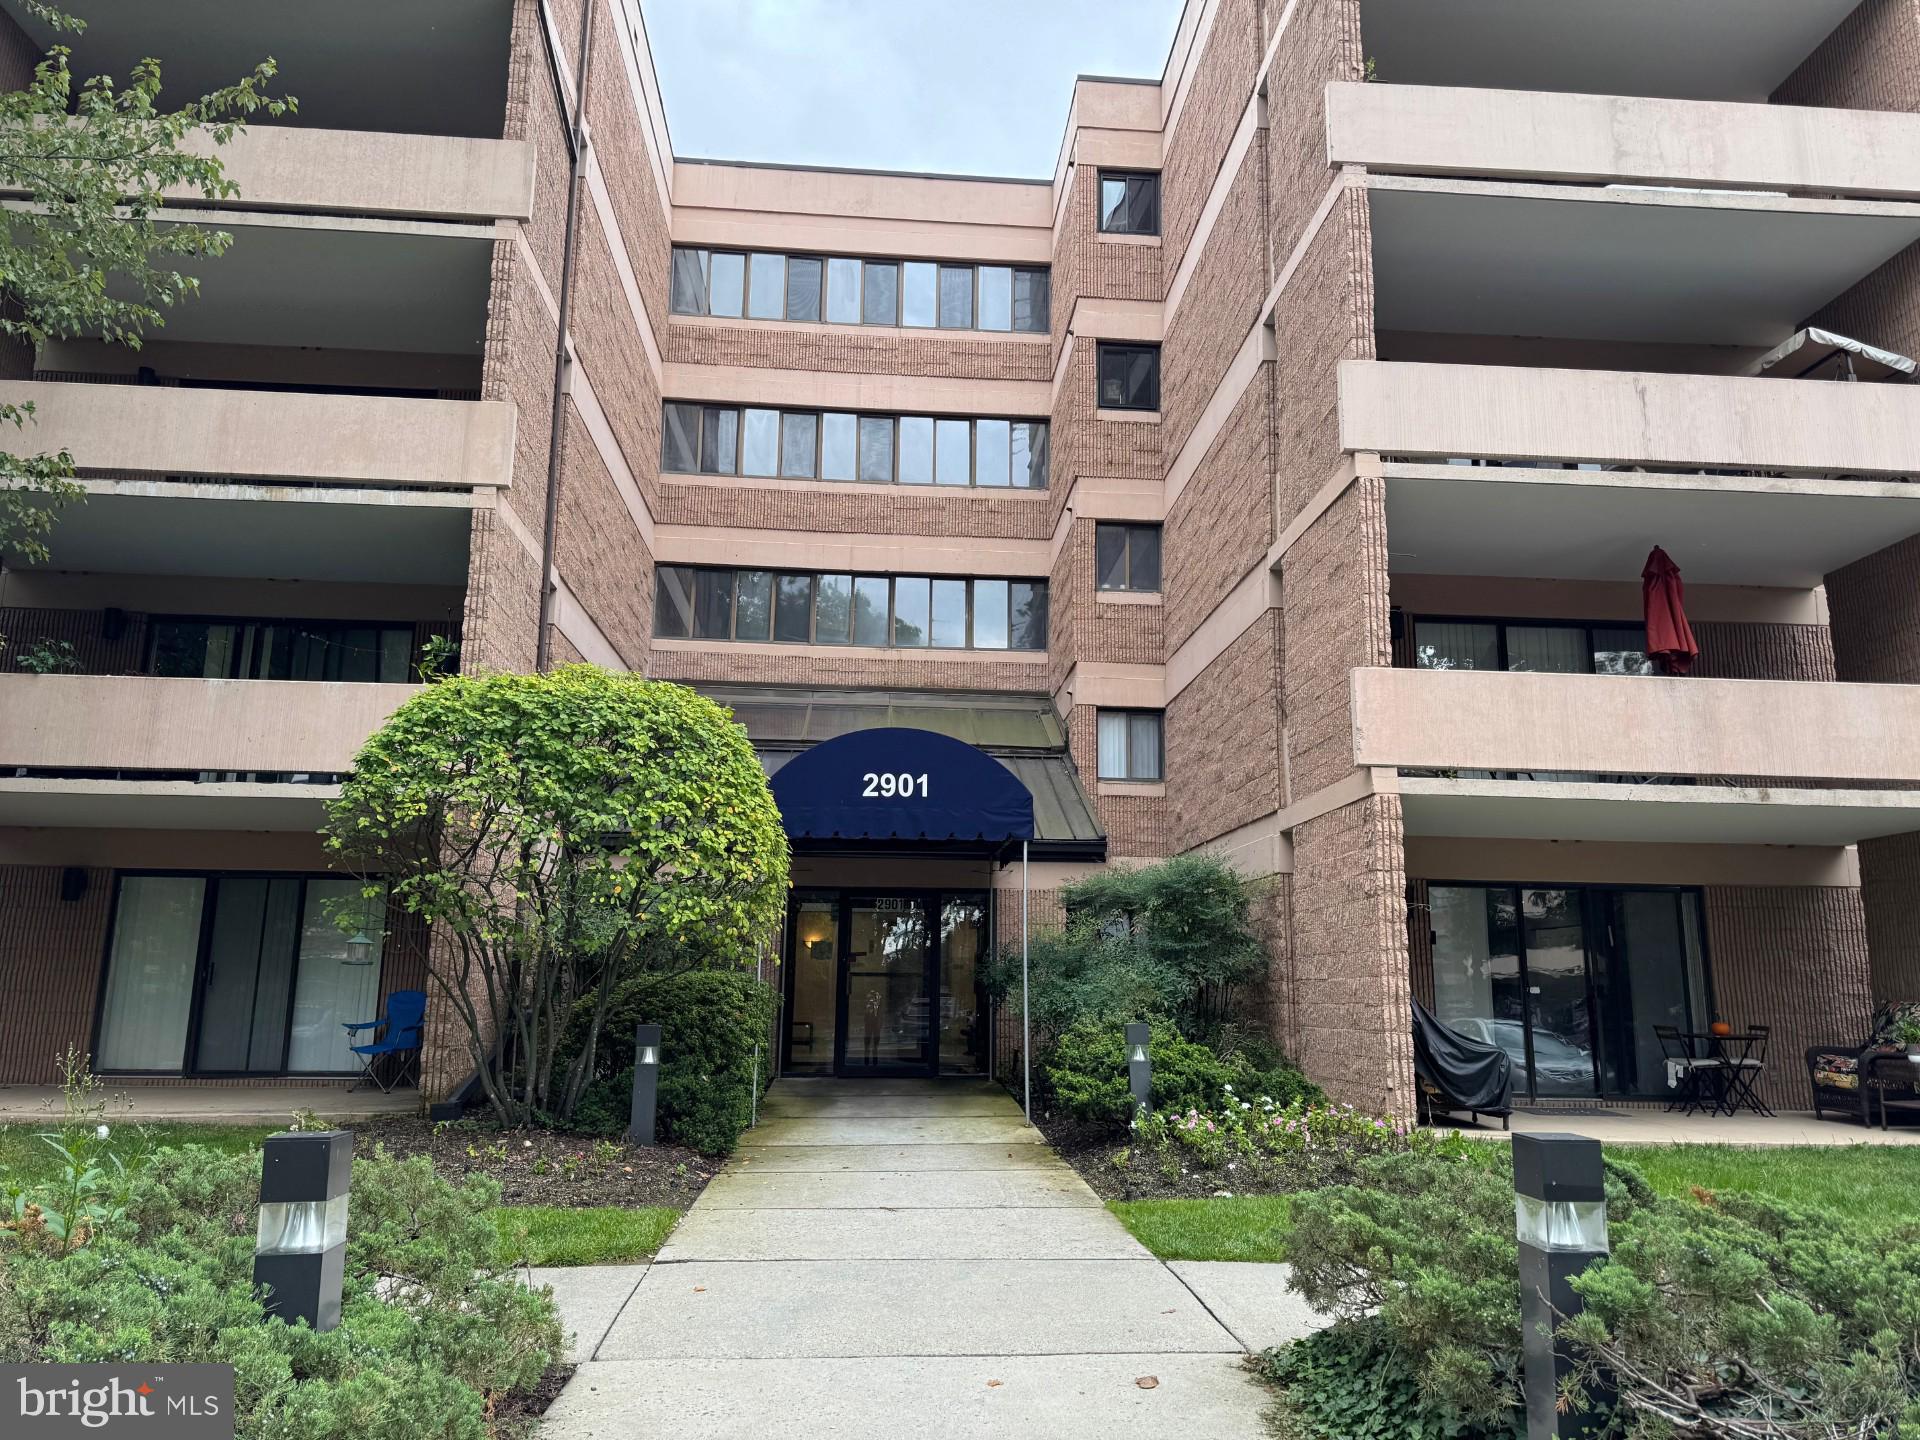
[(25, 1157), (1872, 1183), (1239, 1227), (604, 1235)]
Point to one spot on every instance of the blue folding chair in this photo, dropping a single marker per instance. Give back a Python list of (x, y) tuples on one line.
[(396, 1033)]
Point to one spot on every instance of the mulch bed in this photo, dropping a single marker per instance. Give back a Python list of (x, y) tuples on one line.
[(545, 1167), (1089, 1149), (516, 1412)]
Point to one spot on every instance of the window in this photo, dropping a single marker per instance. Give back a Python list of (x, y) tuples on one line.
[(366, 651), (880, 301), (909, 611), (689, 282), (880, 449), (1129, 202), (803, 288), (726, 284), (1127, 557), (1129, 376), (956, 297), (1129, 745), (843, 290), (766, 287), (1030, 300)]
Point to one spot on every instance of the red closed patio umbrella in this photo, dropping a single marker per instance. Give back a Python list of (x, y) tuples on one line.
[(1670, 642)]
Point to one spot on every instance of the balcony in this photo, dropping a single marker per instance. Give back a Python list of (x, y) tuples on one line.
[(1767, 482), (1527, 134), (132, 722), (367, 172), (267, 435), (1863, 736)]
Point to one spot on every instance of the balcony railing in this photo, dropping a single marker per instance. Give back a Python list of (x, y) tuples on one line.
[(271, 435), (140, 723), (1464, 720), (1634, 418), (1445, 130)]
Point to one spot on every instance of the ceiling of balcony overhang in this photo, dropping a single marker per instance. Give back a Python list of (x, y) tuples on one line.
[(1688, 49), (1566, 525), (1676, 814), (1613, 265), (414, 288), (430, 67), (282, 539)]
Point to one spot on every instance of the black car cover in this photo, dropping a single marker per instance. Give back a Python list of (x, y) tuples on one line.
[(1472, 1076)]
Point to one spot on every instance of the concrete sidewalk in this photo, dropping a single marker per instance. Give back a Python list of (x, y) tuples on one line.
[(910, 1258)]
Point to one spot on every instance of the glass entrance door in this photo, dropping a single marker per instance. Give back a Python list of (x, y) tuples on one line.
[(1568, 980), (884, 986)]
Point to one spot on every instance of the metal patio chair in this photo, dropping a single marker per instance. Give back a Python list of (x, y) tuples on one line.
[(395, 1033), (1687, 1073), (1744, 1073)]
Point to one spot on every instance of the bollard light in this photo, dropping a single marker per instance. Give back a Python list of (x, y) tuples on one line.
[(300, 1252), (646, 1083), (1140, 1067), (1560, 1216)]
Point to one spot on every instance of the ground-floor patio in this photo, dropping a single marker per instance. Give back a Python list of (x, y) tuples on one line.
[(1655, 1126)]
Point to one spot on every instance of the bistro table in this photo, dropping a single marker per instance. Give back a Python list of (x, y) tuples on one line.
[(1734, 1075)]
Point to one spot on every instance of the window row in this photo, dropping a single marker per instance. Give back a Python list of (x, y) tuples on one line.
[(885, 449), (922, 294), (1562, 649), (901, 611), (1130, 745), (352, 650)]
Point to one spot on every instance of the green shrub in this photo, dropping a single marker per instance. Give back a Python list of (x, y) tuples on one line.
[(431, 1334), (1717, 1317), (1352, 1382), (1086, 1073), (710, 1021)]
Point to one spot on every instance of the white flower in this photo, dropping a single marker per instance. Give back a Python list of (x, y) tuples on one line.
[(101, 1133)]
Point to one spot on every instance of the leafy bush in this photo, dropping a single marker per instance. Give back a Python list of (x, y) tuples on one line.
[(431, 1334), (710, 1021), (1162, 941), (1720, 1317), (1086, 1073), (1267, 1147), (1352, 1382)]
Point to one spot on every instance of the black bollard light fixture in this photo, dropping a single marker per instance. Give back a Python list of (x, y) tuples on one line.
[(646, 1084), (1560, 1216), (300, 1251), (1140, 1067)]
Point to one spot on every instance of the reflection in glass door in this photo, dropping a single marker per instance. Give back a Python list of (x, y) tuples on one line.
[(1568, 980), (963, 1030), (885, 992), (812, 1009)]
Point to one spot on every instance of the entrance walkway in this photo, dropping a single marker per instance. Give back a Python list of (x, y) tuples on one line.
[(910, 1258)]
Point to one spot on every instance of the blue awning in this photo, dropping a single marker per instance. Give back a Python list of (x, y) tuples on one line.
[(896, 783)]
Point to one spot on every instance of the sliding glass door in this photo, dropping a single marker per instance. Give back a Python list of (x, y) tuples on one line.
[(232, 975), (1568, 980)]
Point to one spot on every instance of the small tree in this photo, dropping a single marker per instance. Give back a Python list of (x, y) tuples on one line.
[(552, 828), (93, 162)]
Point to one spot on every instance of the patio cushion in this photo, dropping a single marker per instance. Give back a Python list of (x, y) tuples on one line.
[(1836, 1072)]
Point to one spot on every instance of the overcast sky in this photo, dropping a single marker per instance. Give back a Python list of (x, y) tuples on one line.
[(967, 86)]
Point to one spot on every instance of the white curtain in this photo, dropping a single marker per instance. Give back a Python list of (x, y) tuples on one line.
[(1113, 745), (332, 989), (1455, 645), (1548, 649), (156, 944), (1462, 953)]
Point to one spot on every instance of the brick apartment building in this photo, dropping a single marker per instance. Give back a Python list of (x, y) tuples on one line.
[(1274, 478)]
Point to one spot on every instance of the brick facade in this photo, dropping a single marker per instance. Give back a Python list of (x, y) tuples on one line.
[(1225, 736), (1216, 100), (1087, 265), (1221, 526)]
